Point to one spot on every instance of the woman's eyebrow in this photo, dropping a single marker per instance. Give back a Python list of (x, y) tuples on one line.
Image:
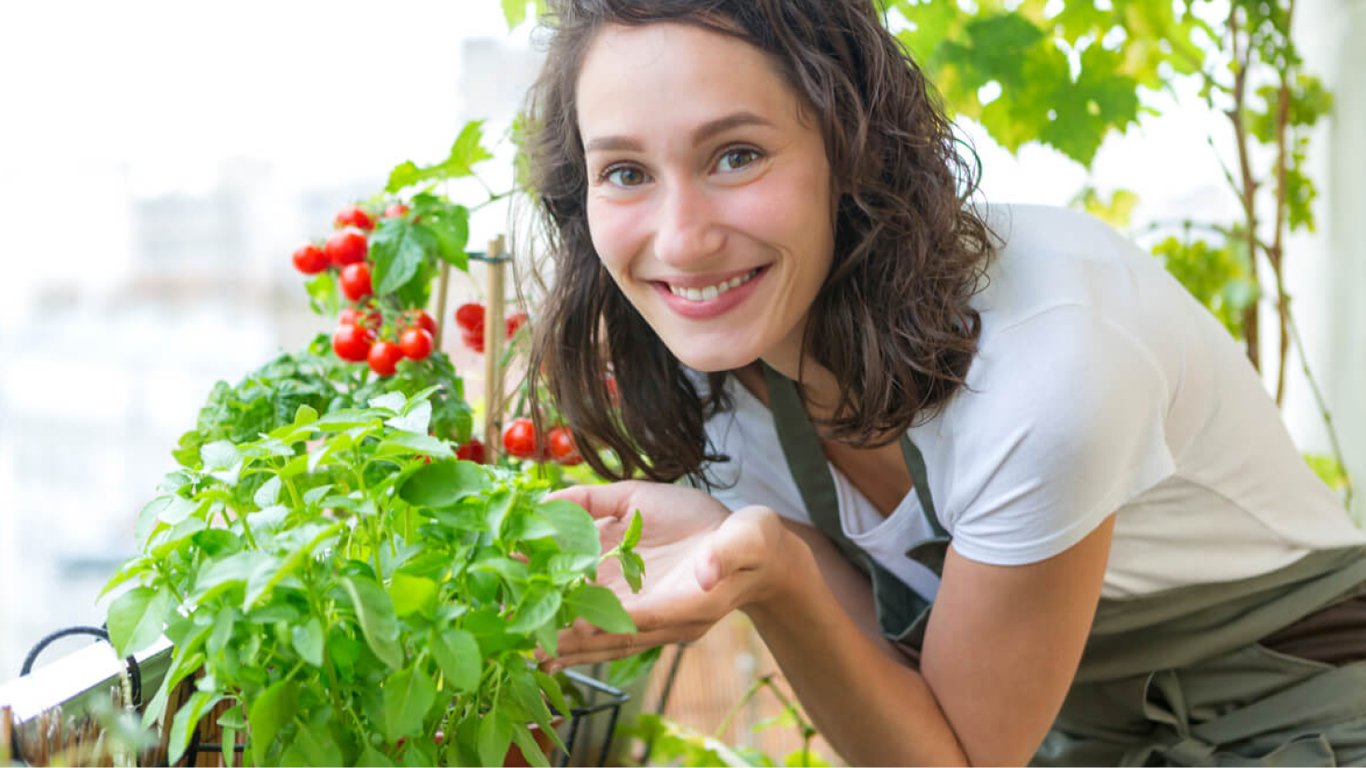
[(703, 133)]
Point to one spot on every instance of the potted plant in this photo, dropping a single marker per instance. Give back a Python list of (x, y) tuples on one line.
[(336, 581)]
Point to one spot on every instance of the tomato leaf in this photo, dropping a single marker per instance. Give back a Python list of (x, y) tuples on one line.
[(465, 153)]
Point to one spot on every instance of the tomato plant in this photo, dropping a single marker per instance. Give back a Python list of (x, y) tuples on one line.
[(471, 450)]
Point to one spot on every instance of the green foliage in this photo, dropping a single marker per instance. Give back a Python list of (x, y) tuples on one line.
[(515, 11), (467, 151), (1329, 470), (362, 591)]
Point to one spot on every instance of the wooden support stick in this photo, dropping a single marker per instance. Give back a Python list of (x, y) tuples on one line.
[(442, 284), (493, 350), (6, 735)]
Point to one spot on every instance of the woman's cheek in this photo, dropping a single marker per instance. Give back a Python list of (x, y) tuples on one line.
[(616, 232)]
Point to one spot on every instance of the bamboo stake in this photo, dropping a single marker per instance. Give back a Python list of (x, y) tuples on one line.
[(6, 734), (493, 349), (441, 303)]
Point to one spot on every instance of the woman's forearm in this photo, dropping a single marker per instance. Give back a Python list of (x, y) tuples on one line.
[(872, 709)]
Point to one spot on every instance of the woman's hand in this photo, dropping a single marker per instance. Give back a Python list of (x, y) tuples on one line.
[(701, 563)]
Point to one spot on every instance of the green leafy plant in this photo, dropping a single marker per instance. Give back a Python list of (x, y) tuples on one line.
[(367, 599), (338, 586)]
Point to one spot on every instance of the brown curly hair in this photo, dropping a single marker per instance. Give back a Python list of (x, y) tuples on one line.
[(892, 321)]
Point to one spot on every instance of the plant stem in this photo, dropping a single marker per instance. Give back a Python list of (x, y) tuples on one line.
[(1323, 411), (1248, 192), (1275, 254), (753, 689)]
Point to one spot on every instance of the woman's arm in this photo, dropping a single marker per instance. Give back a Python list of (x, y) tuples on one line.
[(1001, 649), (1000, 652)]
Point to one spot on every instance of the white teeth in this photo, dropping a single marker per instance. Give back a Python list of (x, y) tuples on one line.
[(712, 291)]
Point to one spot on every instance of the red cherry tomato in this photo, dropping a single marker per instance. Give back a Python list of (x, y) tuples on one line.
[(355, 281), (418, 318), (514, 322), (474, 341), (471, 451), (416, 343), (613, 392), (560, 446), (384, 357), (470, 317), (354, 216), (396, 211), (519, 438), (371, 320), (351, 343), (346, 247), (310, 259)]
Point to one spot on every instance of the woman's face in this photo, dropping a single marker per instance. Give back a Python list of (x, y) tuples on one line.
[(708, 192)]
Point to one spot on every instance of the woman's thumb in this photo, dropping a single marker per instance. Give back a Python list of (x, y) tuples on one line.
[(738, 545)]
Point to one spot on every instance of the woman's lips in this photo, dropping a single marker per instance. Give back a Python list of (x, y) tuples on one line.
[(709, 308)]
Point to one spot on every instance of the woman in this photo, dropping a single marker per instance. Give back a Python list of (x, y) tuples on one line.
[(757, 225)]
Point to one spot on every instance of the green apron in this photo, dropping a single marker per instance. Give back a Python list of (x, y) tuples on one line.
[(1174, 678)]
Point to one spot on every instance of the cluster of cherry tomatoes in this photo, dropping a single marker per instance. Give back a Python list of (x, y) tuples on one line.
[(360, 336), (557, 445), (470, 318)]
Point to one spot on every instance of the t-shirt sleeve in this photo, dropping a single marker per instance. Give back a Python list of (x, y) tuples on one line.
[(1061, 424)]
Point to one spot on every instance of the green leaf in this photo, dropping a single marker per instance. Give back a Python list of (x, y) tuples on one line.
[(575, 531), (412, 594), (633, 529), (268, 493), (451, 230), (323, 295), (375, 612), (308, 641), (373, 757), (551, 687), (416, 417), (599, 607), (414, 444), (408, 696), (136, 619), (271, 711), (397, 249), (443, 483), (514, 12), (465, 153), (632, 569), (538, 606), (457, 652), (186, 719), (495, 736)]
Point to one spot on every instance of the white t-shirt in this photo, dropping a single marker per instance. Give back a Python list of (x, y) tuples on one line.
[(1100, 385)]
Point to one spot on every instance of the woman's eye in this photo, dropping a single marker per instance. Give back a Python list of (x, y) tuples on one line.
[(735, 159), (624, 176)]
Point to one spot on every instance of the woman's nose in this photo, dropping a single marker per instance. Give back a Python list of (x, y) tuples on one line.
[(688, 230)]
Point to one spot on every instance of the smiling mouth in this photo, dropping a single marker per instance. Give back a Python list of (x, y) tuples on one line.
[(710, 292)]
